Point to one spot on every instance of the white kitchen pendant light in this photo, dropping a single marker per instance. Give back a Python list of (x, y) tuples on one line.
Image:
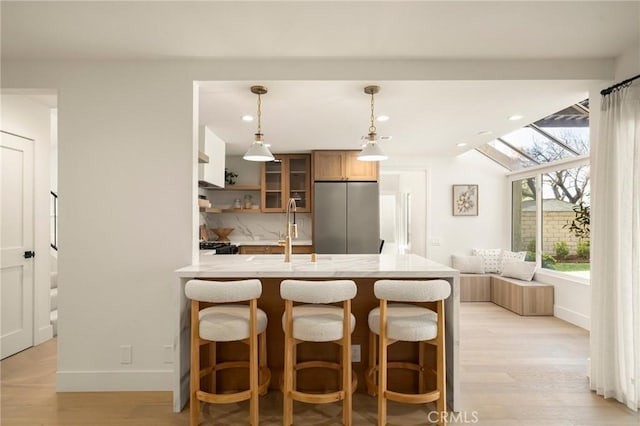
[(372, 151), (258, 151)]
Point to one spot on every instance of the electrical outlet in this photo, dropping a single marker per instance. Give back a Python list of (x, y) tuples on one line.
[(126, 354), (168, 354), (355, 353)]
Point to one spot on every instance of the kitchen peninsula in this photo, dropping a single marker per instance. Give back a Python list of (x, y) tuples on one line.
[(271, 270)]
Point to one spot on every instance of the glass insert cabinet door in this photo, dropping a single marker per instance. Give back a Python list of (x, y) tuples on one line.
[(288, 176), (273, 185), (299, 181)]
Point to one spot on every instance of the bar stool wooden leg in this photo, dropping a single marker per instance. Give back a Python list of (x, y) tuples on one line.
[(441, 375), (289, 347), (422, 386), (195, 365), (212, 362), (373, 351), (253, 363), (382, 365), (262, 356), (346, 365)]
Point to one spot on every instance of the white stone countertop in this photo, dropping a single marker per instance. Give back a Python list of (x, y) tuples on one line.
[(269, 242), (327, 266)]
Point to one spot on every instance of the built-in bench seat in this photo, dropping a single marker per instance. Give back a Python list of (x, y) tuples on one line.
[(521, 297)]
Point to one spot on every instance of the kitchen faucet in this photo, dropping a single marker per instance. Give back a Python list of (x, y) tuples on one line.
[(291, 230)]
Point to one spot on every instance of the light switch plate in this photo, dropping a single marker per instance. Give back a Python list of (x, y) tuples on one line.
[(126, 355)]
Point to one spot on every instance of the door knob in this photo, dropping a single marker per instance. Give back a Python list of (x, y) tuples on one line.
[(29, 254)]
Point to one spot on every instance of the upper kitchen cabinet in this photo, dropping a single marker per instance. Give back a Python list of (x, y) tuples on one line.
[(211, 148), (342, 166), (289, 176)]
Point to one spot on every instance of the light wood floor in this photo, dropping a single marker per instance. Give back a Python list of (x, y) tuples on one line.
[(525, 371)]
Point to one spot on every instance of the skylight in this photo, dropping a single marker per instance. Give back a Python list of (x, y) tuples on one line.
[(561, 135)]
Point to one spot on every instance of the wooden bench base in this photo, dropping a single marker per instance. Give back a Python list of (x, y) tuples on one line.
[(522, 297)]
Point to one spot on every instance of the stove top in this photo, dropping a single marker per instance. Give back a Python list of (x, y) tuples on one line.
[(219, 247)]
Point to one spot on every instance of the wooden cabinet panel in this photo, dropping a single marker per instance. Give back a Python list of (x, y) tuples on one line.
[(270, 249), (302, 249), (343, 166), (261, 249), (475, 288), (328, 165), (360, 170)]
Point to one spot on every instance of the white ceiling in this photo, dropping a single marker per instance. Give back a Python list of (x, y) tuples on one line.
[(427, 117), (391, 29)]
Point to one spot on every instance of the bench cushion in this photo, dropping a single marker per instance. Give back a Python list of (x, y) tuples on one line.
[(519, 269)]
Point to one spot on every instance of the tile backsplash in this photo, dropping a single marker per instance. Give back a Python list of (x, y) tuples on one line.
[(256, 226)]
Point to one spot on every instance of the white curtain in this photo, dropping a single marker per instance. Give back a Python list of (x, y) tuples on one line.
[(615, 248)]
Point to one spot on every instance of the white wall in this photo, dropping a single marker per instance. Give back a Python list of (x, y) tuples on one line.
[(628, 64), (459, 234), (27, 117), (127, 182)]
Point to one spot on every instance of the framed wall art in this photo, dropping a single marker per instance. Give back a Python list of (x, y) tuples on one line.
[(465, 200)]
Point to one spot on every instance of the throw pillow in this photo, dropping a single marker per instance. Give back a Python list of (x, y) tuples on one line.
[(519, 269), (468, 264), (511, 256), (492, 258)]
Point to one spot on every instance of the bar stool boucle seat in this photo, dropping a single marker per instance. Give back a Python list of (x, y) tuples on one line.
[(392, 322), (227, 321), (317, 321)]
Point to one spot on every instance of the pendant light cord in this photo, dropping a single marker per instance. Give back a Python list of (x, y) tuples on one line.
[(372, 127), (259, 114)]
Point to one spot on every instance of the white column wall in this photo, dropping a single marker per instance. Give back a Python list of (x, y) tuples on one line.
[(125, 178)]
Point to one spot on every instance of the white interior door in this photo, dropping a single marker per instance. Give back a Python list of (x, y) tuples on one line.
[(16, 238)]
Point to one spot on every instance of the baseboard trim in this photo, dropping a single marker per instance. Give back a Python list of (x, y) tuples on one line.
[(572, 317), (116, 380), (43, 334)]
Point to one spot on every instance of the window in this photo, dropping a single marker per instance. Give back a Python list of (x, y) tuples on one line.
[(524, 217), (565, 195), (550, 192), (550, 217)]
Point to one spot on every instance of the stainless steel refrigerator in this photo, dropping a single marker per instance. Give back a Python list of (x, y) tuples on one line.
[(346, 217)]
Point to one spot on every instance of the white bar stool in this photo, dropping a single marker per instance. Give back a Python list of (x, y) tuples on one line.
[(408, 322), (316, 321), (225, 322)]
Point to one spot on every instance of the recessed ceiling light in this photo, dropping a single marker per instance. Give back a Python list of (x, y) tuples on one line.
[(383, 118), (515, 117), (461, 144), (484, 132), (247, 117)]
